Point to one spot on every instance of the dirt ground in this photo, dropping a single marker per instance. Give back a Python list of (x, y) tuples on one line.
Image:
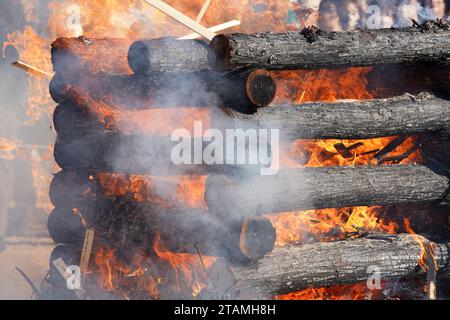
[(30, 255)]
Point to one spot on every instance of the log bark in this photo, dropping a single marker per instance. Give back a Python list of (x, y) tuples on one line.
[(293, 268), (112, 151), (70, 56), (407, 114), (324, 187), (167, 55), (297, 50), (243, 91)]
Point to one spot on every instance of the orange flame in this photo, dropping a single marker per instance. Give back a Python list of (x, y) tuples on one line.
[(328, 224), (357, 291), (185, 191)]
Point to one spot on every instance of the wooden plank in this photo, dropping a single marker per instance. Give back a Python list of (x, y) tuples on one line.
[(31, 69), (218, 28), (87, 249), (180, 17)]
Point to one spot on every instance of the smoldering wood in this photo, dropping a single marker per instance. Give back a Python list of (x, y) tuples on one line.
[(239, 241), (136, 91), (112, 151), (70, 56), (293, 268), (244, 91), (180, 230), (403, 115), (168, 55), (295, 50), (324, 187)]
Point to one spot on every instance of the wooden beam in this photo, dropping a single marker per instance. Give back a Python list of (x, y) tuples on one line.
[(180, 17)]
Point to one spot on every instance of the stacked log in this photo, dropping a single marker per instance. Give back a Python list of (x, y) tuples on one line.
[(126, 222), (153, 71), (325, 187), (293, 268), (362, 119), (166, 73), (315, 49)]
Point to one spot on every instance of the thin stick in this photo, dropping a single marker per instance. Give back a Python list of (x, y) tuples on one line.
[(36, 291), (203, 10), (200, 256), (180, 17), (31, 69), (218, 28), (87, 249)]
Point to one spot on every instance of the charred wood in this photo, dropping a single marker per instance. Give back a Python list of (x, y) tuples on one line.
[(293, 268), (295, 50), (407, 114), (325, 187), (112, 151), (167, 55)]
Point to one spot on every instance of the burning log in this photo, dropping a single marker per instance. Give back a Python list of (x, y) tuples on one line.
[(112, 151), (239, 241), (292, 268), (70, 56), (407, 114), (167, 55), (182, 231), (313, 48), (243, 91), (325, 187)]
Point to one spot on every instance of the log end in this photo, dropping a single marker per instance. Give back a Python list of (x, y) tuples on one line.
[(64, 226), (138, 57), (261, 88), (257, 238), (219, 53)]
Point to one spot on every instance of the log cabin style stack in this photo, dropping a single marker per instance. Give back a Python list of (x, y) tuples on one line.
[(235, 73)]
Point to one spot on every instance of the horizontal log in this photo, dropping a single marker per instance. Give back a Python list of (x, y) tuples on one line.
[(181, 231), (168, 55), (300, 50), (243, 91), (407, 114), (293, 268), (112, 151), (70, 56), (324, 187)]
